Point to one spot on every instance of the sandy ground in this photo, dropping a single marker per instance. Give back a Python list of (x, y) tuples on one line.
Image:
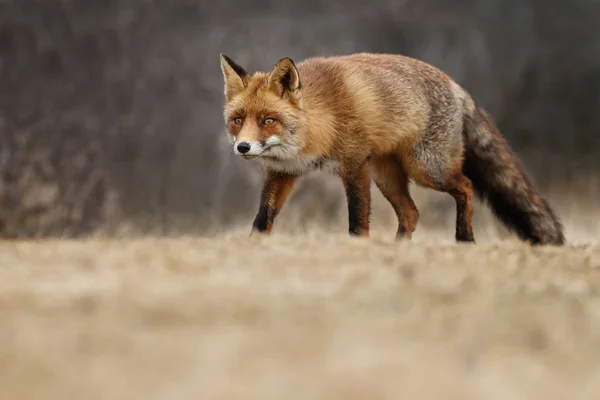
[(306, 317)]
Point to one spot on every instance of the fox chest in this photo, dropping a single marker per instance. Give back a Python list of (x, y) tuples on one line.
[(302, 165)]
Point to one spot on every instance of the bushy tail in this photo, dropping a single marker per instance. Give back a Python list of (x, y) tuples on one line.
[(499, 179)]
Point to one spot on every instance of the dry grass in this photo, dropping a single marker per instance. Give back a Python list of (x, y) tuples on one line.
[(309, 317)]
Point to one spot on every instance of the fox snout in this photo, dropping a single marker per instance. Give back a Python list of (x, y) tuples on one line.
[(251, 148), (248, 148)]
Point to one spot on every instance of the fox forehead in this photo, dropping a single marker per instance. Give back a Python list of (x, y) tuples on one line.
[(257, 100)]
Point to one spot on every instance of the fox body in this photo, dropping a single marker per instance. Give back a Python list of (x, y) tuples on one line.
[(387, 118)]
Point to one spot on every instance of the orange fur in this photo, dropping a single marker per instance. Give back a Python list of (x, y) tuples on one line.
[(397, 116)]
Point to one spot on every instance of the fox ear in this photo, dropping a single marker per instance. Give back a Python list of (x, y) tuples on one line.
[(234, 75), (285, 78)]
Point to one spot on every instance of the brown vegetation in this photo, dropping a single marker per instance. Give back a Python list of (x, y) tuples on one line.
[(314, 316)]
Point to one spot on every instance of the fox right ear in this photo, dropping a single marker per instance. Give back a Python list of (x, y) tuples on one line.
[(234, 75)]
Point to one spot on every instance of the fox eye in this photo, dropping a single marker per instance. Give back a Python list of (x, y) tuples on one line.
[(269, 121), (237, 121)]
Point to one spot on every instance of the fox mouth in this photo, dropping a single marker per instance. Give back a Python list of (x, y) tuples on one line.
[(263, 154)]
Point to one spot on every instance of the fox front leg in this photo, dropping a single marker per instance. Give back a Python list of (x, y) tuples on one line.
[(357, 184), (276, 189)]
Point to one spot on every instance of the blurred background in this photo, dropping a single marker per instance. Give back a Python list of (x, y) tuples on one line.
[(110, 110)]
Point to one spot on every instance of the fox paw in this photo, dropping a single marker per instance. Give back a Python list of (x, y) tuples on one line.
[(256, 233)]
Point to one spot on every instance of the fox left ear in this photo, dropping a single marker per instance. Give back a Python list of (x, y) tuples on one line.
[(285, 78)]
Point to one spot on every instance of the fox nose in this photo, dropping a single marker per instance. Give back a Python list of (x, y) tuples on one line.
[(243, 147)]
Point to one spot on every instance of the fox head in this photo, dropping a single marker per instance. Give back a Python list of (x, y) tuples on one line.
[(263, 112)]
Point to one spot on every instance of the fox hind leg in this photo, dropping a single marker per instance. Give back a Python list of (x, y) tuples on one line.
[(460, 188), (392, 180), (442, 171)]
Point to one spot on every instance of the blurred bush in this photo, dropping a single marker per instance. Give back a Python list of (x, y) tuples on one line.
[(110, 111)]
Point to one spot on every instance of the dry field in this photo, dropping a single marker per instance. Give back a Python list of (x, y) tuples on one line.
[(298, 317)]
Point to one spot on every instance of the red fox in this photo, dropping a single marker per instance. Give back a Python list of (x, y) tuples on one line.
[(390, 118)]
